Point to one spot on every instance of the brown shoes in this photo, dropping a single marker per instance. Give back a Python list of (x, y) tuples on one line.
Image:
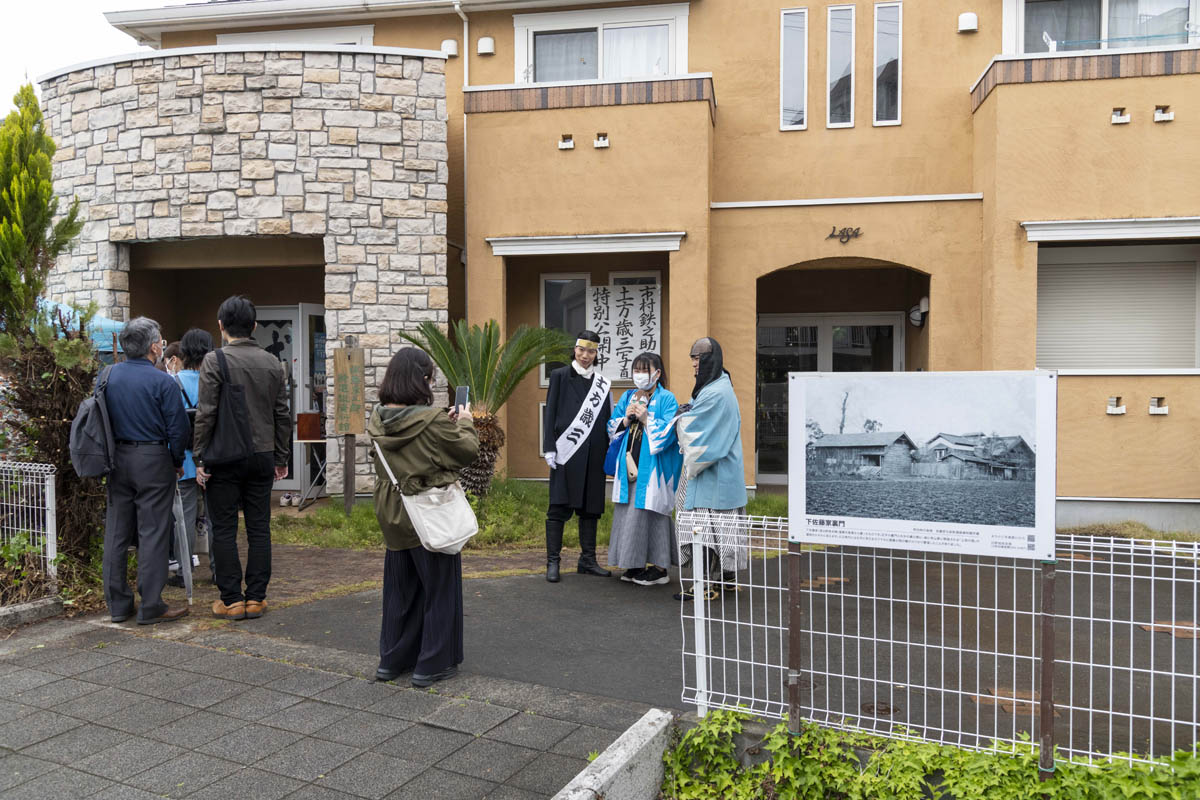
[(233, 611), (256, 608), (170, 615)]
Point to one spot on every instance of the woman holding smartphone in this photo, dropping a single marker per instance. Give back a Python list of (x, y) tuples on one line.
[(425, 447), (647, 475)]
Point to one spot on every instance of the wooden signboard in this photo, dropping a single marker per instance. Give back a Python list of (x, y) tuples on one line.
[(349, 401)]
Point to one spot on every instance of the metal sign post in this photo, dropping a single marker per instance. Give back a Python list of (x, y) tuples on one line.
[(349, 409), (1046, 706)]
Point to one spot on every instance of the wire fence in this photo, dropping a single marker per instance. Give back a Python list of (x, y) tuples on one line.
[(950, 648), (28, 531)]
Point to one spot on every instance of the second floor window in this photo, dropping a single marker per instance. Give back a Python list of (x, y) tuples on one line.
[(887, 64), (793, 69), (840, 68), (1105, 24), (601, 44)]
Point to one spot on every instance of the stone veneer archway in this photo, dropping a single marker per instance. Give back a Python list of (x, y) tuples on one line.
[(347, 143)]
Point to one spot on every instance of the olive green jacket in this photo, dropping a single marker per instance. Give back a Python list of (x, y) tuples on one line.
[(424, 448)]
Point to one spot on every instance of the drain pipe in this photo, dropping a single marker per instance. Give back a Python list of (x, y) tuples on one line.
[(466, 56)]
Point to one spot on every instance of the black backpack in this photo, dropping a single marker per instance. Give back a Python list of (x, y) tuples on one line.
[(91, 443), (191, 412), (231, 439)]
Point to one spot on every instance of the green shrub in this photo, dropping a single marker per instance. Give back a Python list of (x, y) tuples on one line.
[(822, 764)]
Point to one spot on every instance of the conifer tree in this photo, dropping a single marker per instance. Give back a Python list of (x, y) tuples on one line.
[(30, 238)]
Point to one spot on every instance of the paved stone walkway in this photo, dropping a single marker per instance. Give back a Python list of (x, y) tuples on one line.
[(89, 709)]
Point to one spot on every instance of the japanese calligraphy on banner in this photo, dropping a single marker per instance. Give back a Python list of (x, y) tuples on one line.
[(628, 319), (349, 406)]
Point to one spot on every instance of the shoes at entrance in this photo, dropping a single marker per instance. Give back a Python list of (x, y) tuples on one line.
[(256, 608), (420, 681), (170, 615), (232, 611), (285, 500), (652, 576)]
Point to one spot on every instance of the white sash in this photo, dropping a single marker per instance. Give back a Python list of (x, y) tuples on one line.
[(581, 427)]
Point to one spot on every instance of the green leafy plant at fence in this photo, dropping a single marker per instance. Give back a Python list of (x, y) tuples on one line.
[(824, 764), (22, 575)]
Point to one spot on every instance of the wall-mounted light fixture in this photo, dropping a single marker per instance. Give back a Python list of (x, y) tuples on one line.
[(918, 313), (968, 22), (449, 48), (486, 46)]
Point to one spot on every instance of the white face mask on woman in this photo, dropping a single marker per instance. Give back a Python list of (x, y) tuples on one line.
[(644, 380)]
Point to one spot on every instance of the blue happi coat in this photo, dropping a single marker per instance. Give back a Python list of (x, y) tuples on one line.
[(711, 437), (659, 462)]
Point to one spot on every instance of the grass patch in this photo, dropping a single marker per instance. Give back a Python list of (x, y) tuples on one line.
[(767, 505), (1130, 530), (328, 526)]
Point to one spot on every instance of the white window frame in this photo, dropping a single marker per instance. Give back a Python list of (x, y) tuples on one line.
[(674, 15), (543, 376), (363, 35), (853, 63), (826, 322), (1159, 253), (783, 14), (1018, 45), (899, 67), (645, 273)]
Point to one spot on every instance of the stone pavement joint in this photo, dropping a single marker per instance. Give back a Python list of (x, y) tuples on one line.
[(96, 710)]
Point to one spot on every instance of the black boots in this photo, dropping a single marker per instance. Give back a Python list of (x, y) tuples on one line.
[(554, 536), (587, 550)]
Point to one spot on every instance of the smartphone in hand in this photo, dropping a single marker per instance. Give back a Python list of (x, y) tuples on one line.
[(462, 396)]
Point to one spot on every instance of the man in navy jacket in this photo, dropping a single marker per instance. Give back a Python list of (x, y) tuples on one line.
[(151, 431)]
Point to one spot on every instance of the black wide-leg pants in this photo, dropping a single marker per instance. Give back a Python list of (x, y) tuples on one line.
[(422, 611)]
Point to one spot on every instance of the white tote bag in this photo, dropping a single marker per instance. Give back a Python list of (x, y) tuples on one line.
[(441, 516)]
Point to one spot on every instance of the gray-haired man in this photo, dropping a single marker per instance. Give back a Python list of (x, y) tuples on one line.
[(151, 432)]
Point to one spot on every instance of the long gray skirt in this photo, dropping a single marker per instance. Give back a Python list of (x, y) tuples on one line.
[(641, 537)]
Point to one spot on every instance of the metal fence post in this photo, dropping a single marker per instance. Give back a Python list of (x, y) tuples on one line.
[(1046, 707), (698, 604), (795, 624), (51, 535)]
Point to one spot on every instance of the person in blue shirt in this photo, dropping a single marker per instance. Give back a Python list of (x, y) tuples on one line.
[(647, 476), (150, 429), (184, 364), (709, 431)]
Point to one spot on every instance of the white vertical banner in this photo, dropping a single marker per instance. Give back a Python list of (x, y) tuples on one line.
[(628, 321), (599, 319)]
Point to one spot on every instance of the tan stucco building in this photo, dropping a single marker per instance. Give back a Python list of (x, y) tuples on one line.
[(830, 186)]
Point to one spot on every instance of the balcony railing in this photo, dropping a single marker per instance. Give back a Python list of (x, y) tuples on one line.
[(584, 94), (1084, 65)]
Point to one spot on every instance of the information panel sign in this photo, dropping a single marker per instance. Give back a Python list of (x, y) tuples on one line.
[(349, 400), (944, 462)]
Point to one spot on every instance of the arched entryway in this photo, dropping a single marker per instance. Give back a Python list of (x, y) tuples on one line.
[(830, 315)]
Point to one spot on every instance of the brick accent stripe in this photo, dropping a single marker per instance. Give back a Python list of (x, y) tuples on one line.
[(538, 98), (1085, 68)]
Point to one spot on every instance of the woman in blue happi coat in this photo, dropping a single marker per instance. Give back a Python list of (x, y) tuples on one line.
[(647, 476)]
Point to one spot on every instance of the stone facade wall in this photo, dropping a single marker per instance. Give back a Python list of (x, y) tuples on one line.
[(348, 145)]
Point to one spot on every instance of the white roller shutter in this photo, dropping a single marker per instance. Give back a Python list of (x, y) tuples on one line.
[(1117, 315)]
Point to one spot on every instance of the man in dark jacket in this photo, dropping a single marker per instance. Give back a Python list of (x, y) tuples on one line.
[(246, 483), (574, 442), (150, 429)]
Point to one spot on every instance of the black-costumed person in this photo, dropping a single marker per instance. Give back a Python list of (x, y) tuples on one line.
[(574, 442)]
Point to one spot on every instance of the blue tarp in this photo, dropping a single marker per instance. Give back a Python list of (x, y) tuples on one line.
[(101, 328)]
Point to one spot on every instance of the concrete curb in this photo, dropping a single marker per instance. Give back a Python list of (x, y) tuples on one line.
[(631, 768), (24, 613)]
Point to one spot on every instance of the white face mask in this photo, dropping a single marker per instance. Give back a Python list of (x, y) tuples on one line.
[(643, 380)]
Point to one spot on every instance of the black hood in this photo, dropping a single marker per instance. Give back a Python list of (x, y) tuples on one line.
[(712, 366)]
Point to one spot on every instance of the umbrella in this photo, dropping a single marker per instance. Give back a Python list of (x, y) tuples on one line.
[(181, 546)]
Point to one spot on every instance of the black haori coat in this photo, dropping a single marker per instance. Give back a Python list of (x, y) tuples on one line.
[(580, 482)]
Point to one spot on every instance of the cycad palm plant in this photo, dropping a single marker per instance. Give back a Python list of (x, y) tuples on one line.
[(476, 357)]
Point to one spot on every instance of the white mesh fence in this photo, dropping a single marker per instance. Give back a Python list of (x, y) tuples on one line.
[(27, 517), (949, 648)]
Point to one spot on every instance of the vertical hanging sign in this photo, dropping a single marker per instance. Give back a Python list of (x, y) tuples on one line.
[(628, 319), (600, 321), (349, 401)]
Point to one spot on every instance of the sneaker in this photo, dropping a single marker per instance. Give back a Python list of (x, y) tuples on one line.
[(652, 576), (285, 500), (420, 681), (630, 575), (687, 595), (172, 566), (195, 561)]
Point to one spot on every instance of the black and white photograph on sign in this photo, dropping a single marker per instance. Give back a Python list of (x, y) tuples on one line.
[(955, 458)]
